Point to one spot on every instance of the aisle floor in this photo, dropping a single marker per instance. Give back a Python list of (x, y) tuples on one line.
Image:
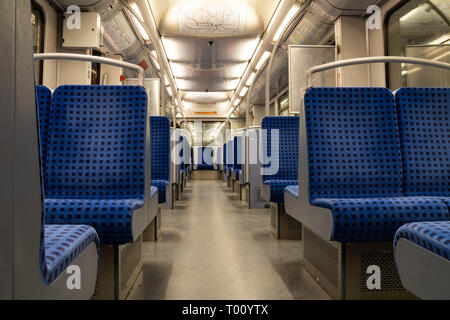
[(213, 247)]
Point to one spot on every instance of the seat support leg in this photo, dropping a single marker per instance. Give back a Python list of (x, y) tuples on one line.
[(153, 231), (119, 268), (348, 270), (283, 225)]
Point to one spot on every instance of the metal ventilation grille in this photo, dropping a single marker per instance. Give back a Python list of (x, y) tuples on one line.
[(129, 258), (293, 225), (323, 256), (97, 286), (390, 281)]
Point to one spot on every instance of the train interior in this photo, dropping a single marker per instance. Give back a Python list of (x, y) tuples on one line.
[(225, 150)]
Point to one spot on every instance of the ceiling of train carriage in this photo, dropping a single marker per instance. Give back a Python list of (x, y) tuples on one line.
[(209, 44)]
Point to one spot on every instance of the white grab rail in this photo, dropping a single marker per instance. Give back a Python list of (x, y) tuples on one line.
[(356, 61), (89, 58)]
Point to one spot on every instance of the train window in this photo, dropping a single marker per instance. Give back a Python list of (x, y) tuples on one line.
[(421, 29), (38, 26), (283, 103)]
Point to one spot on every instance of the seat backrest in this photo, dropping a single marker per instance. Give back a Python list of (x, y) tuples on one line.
[(44, 103), (237, 152), (286, 151), (353, 143), (230, 154), (97, 142), (224, 154), (160, 147), (424, 126), (182, 145)]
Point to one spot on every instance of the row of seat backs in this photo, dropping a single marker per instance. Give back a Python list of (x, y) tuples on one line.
[(202, 151), (284, 151), (363, 143), (160, 147)]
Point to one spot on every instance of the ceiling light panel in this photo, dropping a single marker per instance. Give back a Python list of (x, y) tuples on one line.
[(218, 70), (198, 50), (203, 97), (206, 84)]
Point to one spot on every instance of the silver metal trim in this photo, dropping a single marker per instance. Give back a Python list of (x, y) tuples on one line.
[(356, 61), (89, 58)]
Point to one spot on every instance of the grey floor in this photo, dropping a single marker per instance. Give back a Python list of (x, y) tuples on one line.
[(213, 247)]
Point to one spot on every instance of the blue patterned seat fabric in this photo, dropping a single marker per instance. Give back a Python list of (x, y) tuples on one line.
[(160, 154), (377, 219), (44, 103), (61, 245), (424, 125), (96, 158), (237, 161), (285, 152), (434, 236), (293, 191), (355, 167), (202, 163)]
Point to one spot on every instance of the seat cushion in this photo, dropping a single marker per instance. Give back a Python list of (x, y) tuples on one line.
[(377, 219), (205, 167), (162, 186), (63, 244), (434, 236), (446, 200), (292, 190), (112, 219), (277, 189)]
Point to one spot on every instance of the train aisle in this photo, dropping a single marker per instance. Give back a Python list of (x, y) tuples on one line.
[(213, 247)]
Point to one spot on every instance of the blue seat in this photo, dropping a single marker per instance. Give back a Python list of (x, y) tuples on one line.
[(237, 162), (160, 154), (61, 245), (96, 159), (224, 157), (44, 103), (424, 126), (202, 163), (355, 166), (285, 152), (433, 236)]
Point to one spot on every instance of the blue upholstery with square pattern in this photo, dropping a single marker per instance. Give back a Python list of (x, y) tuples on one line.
[(285, 152), (224, 155), (61, 245), (434, 236), (202, 163), (377, 219), (293, 190), (160, 154), (424, 126), (96, 158), (277, 188), (44, 102), (237, 156), (355, 167)]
